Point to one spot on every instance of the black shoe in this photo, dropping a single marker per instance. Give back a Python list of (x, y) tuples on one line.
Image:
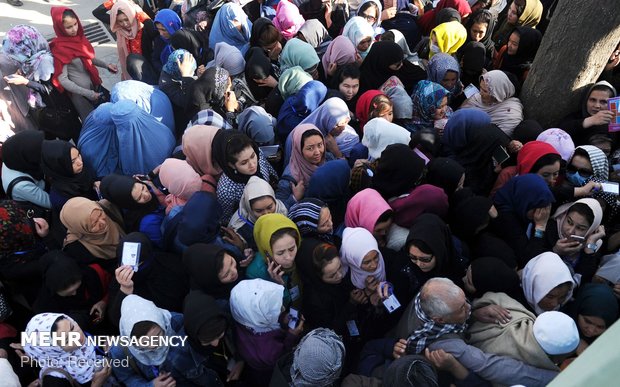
[(15, 3)]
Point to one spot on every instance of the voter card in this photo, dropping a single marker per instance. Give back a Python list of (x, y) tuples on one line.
[(131, 254)]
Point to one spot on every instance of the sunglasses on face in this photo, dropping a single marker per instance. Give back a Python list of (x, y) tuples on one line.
[(413, 258), (583, 172)]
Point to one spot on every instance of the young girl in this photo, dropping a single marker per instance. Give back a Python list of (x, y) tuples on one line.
[(75, 61)]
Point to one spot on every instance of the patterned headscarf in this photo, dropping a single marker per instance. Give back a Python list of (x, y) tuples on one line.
[(427, 97), (430, 330), (221, 82), (28, 47), (318, 359), (79, 363), (172, 67), (306, 214), (439, 65)]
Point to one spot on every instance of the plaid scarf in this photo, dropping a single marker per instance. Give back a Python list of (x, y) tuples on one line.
[(430, 330)]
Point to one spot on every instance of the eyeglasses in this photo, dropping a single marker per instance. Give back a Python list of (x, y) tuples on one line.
[(583, 172), (421, 259), (371, 19)]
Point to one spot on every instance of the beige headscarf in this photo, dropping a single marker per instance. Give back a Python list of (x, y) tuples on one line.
[(130, 9), (197, 147), (75, 216), (255, 188)]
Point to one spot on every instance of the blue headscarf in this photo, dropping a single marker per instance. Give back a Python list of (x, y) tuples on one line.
[(330, 182), (596, 300), (172, 23), (149, 98), (439, 65), (200, 219), (223, 29), (299, 106), (523, 193), (459, 125), (427, 97), (172, 68)]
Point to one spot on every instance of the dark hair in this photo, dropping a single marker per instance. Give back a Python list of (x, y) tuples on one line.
[(347, 71), (55, 324), (69, 13), (485, 4), (282, 232), (421, 245), (481, 16), (120, 12), (548, 159), (309, 133), (387, 215), (583, 210), (323, 254), (388, 36), (219, 260), (379, 105), (268, 36), (520, 4), (215, 324), (580, 152), (367, 5), (236, 145), (602, 88), (142, 328), (252, 201)]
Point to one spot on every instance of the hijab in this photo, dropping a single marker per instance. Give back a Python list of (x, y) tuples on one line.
[(400, 39), (181, 180), (596, 300), (375, 68), (229, 58), (330, 183), (65, 48), (423, 199), (358, 29), (197, 146), (445, 173), (135, 309), (593, 205), (171, 66), (450, 37), (356, 243), (22, 152), (522, 60), (200, 219), (541, 275), (401, 101), (124, 37), (75, 216), (526, 131), (315, 34), (427, 97), (296, 52), (171, 21), (439, 65), (468, 215), (223, 29), (220, 154), (298, 106), (486, 40), (377, 24), (610, 268), (490, 274), (379, 133), (523, 193), (78, 363), (398, 171), (427, 21), (193, 42), (340, 51), (208, 91), (363, 106), (364, 209), (430, 230), (328, 115), (560, 140), (18, 232), (254, 189), (288, 20), (598, 160), (531, 153), (30, 51), (57, 165), (532, 13), (306, 214), (202, 316), (257, 124), (201, 262), (292, 80), (256, 305), (266, 226), (257, 66), (300, 168)]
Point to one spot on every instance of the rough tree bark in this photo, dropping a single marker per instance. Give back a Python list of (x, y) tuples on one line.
[(577, 44)]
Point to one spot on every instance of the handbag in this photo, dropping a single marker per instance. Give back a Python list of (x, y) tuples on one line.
[(59, 118)]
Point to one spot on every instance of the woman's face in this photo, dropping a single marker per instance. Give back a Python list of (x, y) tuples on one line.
[(468, 282), (70, 24), (370, 14), (426, 262), (591, 326), (284, 251), (381, 230), (485, 93), (364, 44), (63, 327), (554, 298), (440, 112), (70, 291), (332, 272), (597, 101), (477, 31), (582, 165), (326, 226), (313, 149), (388, 114), (262, 206), (273, 50), (163, 32), (247, 162), (140, 193), (76, 161), (575, 224), (512, 17), (396, 66), (340, 127), (513, 43), (228, 274), (123, 21), (98, 221), (370, 262), (449, 80), (550, 173), (349, 88)]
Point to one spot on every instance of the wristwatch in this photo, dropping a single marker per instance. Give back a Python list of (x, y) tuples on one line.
[(592, 246)]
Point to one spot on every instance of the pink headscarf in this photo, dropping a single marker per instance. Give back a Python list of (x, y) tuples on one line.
[(364, 209), (181, 180), (130, 9), (423, 199), (197, 145), (340, 51), (288, 20), (301, 169)]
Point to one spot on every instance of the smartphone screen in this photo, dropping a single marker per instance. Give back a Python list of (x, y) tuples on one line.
[(470, 91), (269, 150), (500, 155)]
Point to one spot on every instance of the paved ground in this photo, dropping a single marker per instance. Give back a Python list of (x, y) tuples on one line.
[(37, 13)]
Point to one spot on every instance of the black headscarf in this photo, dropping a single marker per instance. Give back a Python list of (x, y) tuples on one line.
[(487, 39), (199, 229), (375, 68), (447, 15), (527, 130), (22, 152), (489, 274), (56, 164), (193, 42), (444, 173), (520, 62), (399, 170), (304, 261), (220, 152), (207, 92), (117, 189), (468, 214), (473, 59), (257, 29), (202, 316), (59, 271), (257, 66), (200, 260)]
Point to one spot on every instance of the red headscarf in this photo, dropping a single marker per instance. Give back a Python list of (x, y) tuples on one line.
[(362, 108), (65, 48), (427, 21), (530, 153)]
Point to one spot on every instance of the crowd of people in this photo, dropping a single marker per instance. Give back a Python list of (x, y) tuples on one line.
[(335, 193)]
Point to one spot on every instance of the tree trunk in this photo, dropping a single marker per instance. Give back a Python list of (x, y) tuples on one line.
[(576, 47)]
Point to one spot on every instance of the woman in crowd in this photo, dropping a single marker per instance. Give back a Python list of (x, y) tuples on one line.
[(313, 219), (372, 104), (314, 33), (231, 25), (520, 52), (167, 23), (521, 13), (361, 34), (547, 283), (367, 209), (288, 20), (299, 106), (212, 269), (299, 53), (480, 26), (430, 104), (340, 52)]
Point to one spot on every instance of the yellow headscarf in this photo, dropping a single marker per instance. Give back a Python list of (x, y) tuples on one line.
[(450, 36), (266, 226)]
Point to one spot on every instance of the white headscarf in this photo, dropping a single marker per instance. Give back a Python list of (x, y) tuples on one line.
[(563, 210), (79, 363), (356, 243), (379, 133), (256, 304), (255, 188), (610, 268), (135, 309), (541, 274)]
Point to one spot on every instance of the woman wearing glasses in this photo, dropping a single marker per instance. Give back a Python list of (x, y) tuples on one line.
[(371, 11)]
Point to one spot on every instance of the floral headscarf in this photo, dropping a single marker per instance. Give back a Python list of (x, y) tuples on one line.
[(28, 47), (172, 67), (439, 65), (427, 97)]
